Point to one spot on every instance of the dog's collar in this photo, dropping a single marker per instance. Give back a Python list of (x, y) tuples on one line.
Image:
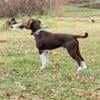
[(38, 31)]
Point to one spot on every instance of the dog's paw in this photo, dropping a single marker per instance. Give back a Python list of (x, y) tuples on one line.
[(42, 68), (79, 69), (84, 67)]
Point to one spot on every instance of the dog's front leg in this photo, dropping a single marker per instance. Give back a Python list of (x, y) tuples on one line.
[(43, 58)]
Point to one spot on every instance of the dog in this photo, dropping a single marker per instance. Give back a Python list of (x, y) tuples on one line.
[(47, 41), (16, 25)]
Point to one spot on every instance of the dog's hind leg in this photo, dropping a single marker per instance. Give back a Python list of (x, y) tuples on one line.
[(75, 57), (84, 66), (43, 58), (72, 52)]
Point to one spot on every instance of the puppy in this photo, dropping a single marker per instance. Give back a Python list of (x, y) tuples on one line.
[(48, 41)]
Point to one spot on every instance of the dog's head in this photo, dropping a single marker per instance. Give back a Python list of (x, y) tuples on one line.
[(33, 24)]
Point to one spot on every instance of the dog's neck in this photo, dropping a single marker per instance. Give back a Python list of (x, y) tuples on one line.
[(37, 32)]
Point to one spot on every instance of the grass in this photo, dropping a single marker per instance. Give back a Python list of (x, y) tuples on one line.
[(20, 74), (78, 10), (81, 12)]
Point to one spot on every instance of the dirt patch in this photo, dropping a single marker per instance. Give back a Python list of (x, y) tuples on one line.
[(3, 41), (3, 73)]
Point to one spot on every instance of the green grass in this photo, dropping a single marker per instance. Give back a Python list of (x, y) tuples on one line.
[(73, 11), (80, 9), (20, 74)]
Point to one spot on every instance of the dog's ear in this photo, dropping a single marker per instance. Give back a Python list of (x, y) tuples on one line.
[(29, 23), (39, 21)]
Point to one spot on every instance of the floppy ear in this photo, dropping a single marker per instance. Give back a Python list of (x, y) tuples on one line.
[(29, 23), (39, 21)]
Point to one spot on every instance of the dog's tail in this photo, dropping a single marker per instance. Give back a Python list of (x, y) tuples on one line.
[(82, 36)]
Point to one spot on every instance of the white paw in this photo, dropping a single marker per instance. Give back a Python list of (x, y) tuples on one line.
[(84, 67), (42, 67), (79, 69)]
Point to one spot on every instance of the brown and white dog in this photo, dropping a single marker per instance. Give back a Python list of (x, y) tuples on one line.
[(48, 41)]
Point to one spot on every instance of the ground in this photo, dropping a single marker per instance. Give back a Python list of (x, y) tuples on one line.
[(21, 77)]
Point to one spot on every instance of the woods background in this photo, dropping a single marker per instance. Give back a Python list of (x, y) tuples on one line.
[(10, 8)]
